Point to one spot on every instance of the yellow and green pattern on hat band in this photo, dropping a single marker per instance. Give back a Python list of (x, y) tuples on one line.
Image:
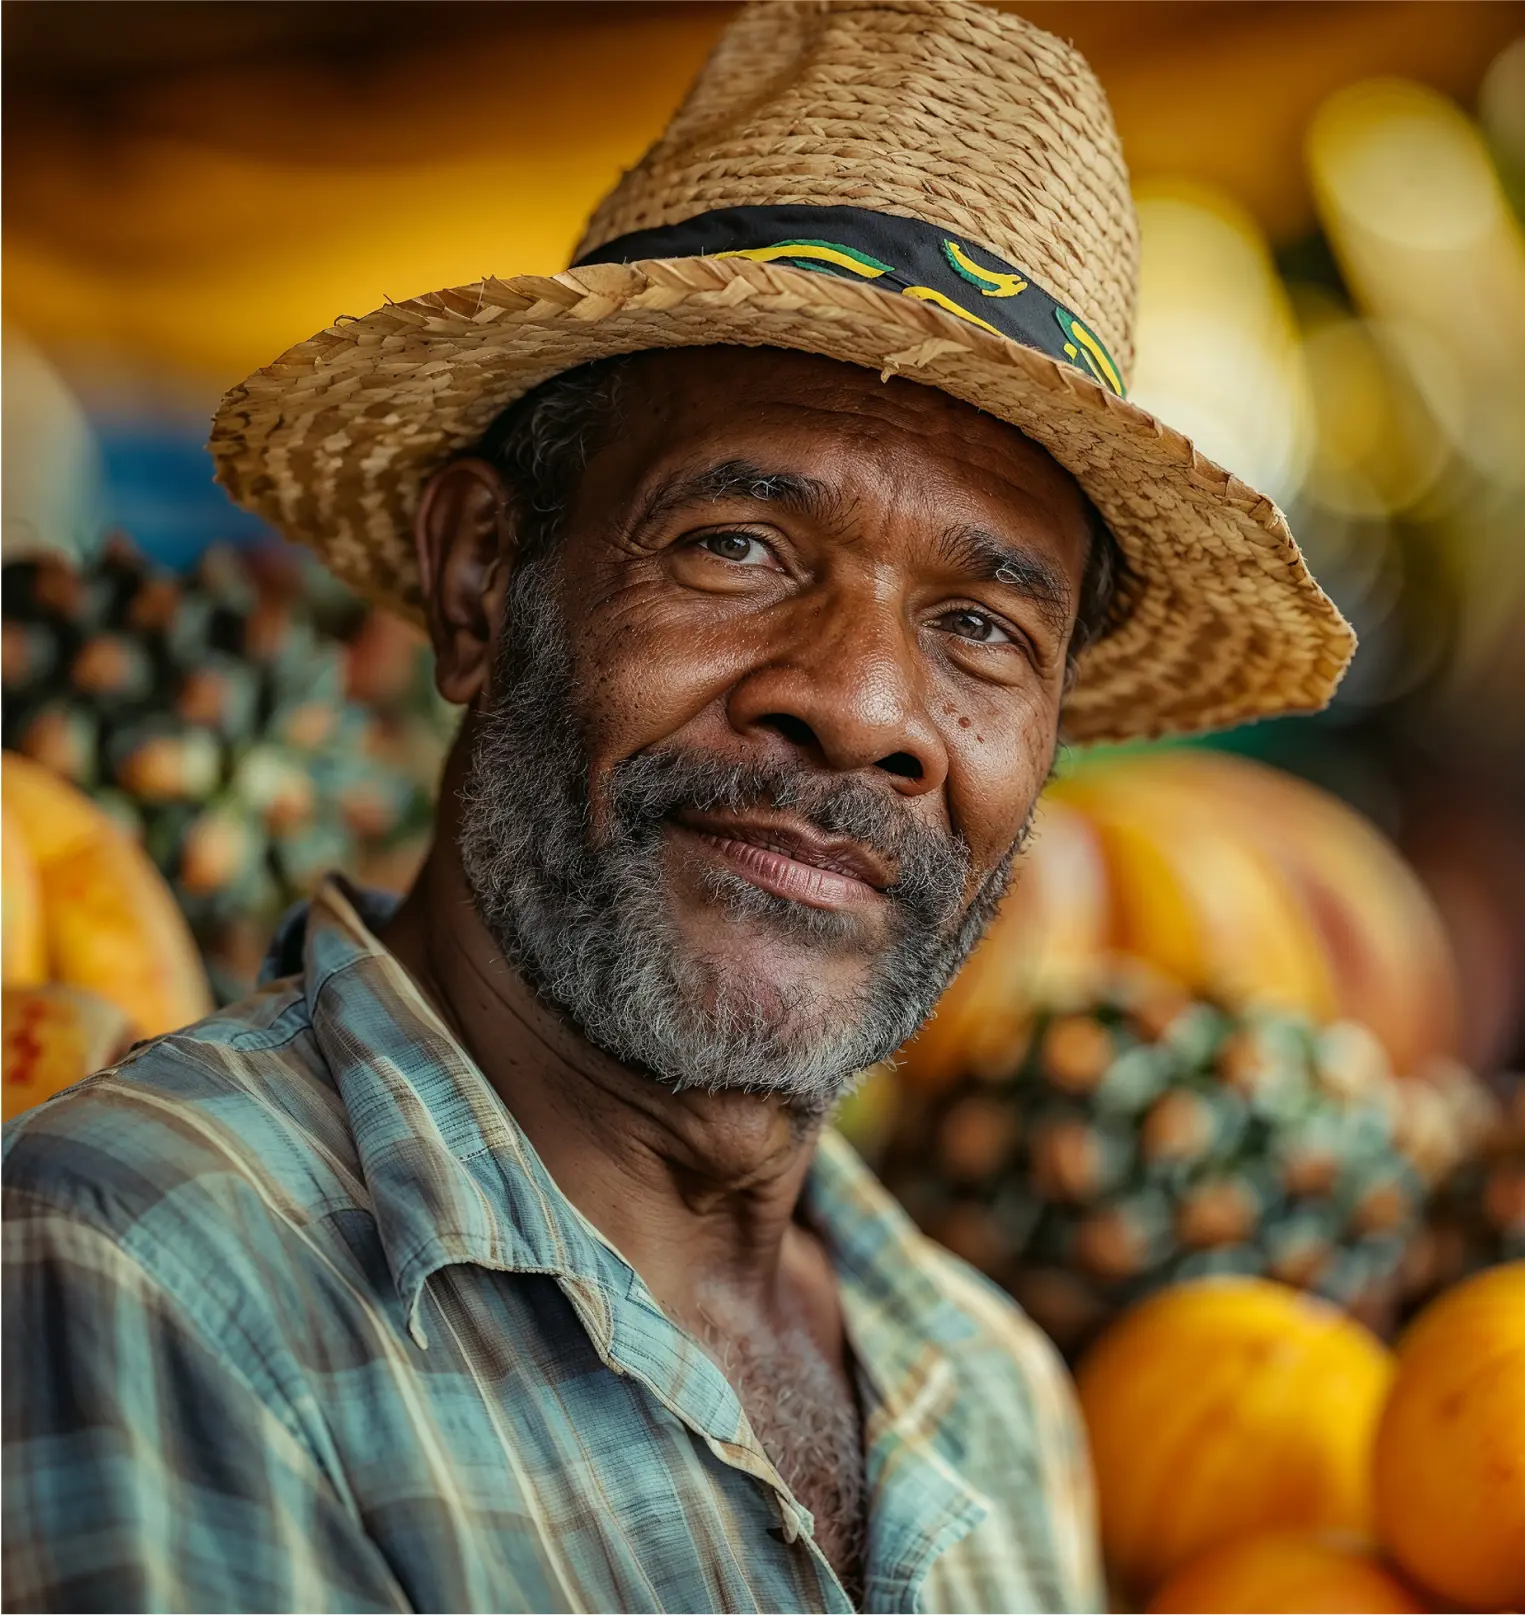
[(991, 282), (907, 255), (1083, 345), (827, 255)]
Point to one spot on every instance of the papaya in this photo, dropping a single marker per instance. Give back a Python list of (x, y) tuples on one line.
[(1377, 929), (1193, 894)]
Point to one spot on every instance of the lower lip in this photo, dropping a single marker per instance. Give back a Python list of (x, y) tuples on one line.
[(784, 876)]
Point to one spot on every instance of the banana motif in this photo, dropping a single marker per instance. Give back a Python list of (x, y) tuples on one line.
[(929, 295), (1084, 347), (828, 255), (991, 282)]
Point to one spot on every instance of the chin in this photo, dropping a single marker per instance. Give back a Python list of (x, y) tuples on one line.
[(772, 1015), (785, 958)]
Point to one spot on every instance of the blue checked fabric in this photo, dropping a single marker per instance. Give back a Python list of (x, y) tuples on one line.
[(295, 1319)]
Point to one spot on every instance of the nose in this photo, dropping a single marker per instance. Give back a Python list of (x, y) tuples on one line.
[(845, 690)]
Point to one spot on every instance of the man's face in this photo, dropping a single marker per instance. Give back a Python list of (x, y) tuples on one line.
[(764, 728)]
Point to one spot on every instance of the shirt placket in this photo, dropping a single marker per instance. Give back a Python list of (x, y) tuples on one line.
[(634, 1337)]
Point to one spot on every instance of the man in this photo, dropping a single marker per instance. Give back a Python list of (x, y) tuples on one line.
[(497, 1255)]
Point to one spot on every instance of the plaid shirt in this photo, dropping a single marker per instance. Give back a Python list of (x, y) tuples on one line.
[(295, 1319)]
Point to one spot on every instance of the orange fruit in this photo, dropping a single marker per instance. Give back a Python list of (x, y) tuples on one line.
[(1450, 1455)]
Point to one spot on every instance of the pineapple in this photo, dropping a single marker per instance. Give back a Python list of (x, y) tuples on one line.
[(252, 722), (1477, 1216), (1149, 1137)]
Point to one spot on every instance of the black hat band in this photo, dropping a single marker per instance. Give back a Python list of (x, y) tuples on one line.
[(898, 254)]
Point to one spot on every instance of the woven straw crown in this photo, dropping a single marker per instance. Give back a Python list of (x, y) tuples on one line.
[(958, 115), (942, 113)]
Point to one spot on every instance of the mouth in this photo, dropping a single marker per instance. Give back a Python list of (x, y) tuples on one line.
[(785, 855)]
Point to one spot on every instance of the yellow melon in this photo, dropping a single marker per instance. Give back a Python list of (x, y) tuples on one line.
[(25, 943), (1285, 1573), (1227, 1406), (1450, 1456)]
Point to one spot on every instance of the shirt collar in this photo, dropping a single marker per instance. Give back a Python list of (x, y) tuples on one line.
[(451, 1175)]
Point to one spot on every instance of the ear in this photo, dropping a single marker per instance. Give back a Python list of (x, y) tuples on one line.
[(464, 537)]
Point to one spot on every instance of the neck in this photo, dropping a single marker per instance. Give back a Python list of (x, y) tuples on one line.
[(697, 1190)]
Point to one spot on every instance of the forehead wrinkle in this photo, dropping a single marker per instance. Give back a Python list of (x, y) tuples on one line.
[(986, 558)]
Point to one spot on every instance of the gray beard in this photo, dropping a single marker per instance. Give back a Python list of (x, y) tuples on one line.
[(587, 920)]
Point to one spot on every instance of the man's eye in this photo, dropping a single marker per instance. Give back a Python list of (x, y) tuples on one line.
[(741, 549), (977, 626)]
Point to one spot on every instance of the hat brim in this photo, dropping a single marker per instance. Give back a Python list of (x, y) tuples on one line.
[(333, 442)]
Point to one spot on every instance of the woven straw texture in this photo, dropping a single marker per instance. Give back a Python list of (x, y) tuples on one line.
[(942, 110)]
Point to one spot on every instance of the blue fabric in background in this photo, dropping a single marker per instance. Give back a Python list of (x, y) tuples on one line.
[(160, 492)]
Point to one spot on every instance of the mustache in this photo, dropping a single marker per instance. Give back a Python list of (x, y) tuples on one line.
[(932, 867)]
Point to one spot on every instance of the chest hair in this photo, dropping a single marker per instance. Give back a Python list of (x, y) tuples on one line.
[(805, 1414)]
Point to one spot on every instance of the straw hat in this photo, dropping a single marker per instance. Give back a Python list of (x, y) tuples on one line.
[(928, 188)]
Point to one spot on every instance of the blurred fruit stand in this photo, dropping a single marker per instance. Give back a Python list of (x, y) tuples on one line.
[(1232, 1092)]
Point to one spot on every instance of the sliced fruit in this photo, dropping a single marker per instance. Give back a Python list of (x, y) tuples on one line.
[(25, 942), (53, 1037), (110, 921)]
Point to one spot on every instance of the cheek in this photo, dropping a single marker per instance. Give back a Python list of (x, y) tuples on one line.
[(648, 670), (998, 762)]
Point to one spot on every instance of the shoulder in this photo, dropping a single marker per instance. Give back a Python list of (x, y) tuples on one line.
[(989, 1385), (236, 1109), (999, 1326), (1013, 1426), (920, 1284)]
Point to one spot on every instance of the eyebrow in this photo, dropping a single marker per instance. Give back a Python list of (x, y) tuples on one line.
[(986, 558), (742, 479)]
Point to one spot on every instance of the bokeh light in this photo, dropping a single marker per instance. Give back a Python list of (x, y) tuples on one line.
[(1218, 350), (1424, 233)]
